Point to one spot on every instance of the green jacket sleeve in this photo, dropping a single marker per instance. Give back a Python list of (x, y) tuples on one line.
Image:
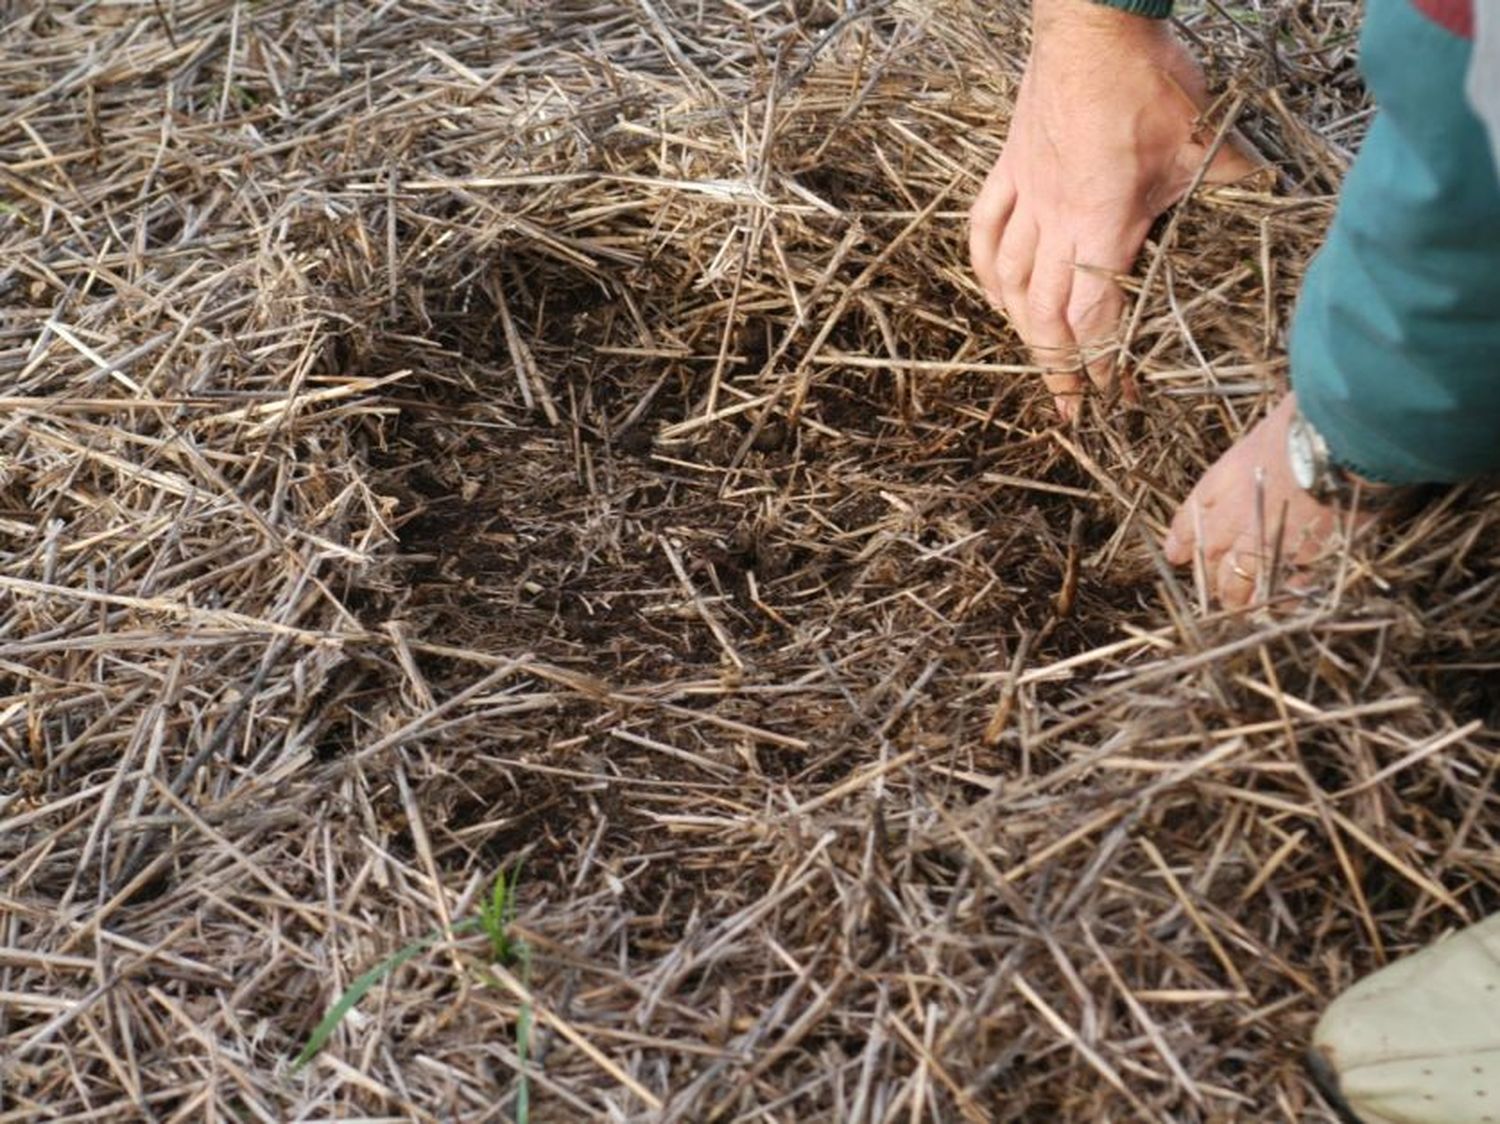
[(1395, 344), (1156, 9)]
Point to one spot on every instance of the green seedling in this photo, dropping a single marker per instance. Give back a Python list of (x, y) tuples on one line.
[(523, 1045), (360, 987), (496, 916), (494, 920)]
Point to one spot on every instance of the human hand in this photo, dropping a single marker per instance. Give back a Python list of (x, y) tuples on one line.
[(1104, 139), (1243, 506)]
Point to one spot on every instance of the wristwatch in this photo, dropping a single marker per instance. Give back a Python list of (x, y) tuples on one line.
[(1322, 477)]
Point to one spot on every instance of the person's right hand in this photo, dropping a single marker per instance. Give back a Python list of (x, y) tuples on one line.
[(1105, 137)]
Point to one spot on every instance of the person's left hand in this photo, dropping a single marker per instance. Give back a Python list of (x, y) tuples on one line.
[(1235, 544)]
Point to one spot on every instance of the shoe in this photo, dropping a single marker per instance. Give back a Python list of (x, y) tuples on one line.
[(1419, 1041)]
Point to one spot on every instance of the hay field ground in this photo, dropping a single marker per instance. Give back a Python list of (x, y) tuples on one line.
[(445, 437)]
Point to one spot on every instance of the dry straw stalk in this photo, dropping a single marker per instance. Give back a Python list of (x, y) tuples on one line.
[(438, 434)]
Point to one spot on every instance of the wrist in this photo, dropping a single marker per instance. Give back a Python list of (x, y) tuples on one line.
[(1327, 479)]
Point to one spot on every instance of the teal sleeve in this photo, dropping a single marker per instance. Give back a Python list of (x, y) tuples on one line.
[(1156, 9), (1395, 345)]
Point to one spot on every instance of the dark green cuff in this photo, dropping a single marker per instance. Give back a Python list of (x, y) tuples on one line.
[(1155, 9)]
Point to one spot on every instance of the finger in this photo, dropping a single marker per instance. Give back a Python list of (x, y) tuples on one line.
[(1014, 257), (1095, 307), (1180, 542), (1236, 159), (1052, 343), (1192, 529), (988, 216), (1182, 545), (1300, 583), (1236, 579), (1317, 540), (1234, 162)]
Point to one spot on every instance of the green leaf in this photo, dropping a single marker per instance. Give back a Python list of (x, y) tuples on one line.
[(360, 987), (496, 916), (523, 1042)]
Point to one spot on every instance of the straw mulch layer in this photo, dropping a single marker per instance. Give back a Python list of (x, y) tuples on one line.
[(449, 437)]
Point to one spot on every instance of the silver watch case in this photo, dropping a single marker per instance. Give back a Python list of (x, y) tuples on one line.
[(1318, 474), (1312, 464)]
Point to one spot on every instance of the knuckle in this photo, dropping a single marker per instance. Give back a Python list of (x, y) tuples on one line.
[(1043, 306), (1096, 311), (1012, 267)]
